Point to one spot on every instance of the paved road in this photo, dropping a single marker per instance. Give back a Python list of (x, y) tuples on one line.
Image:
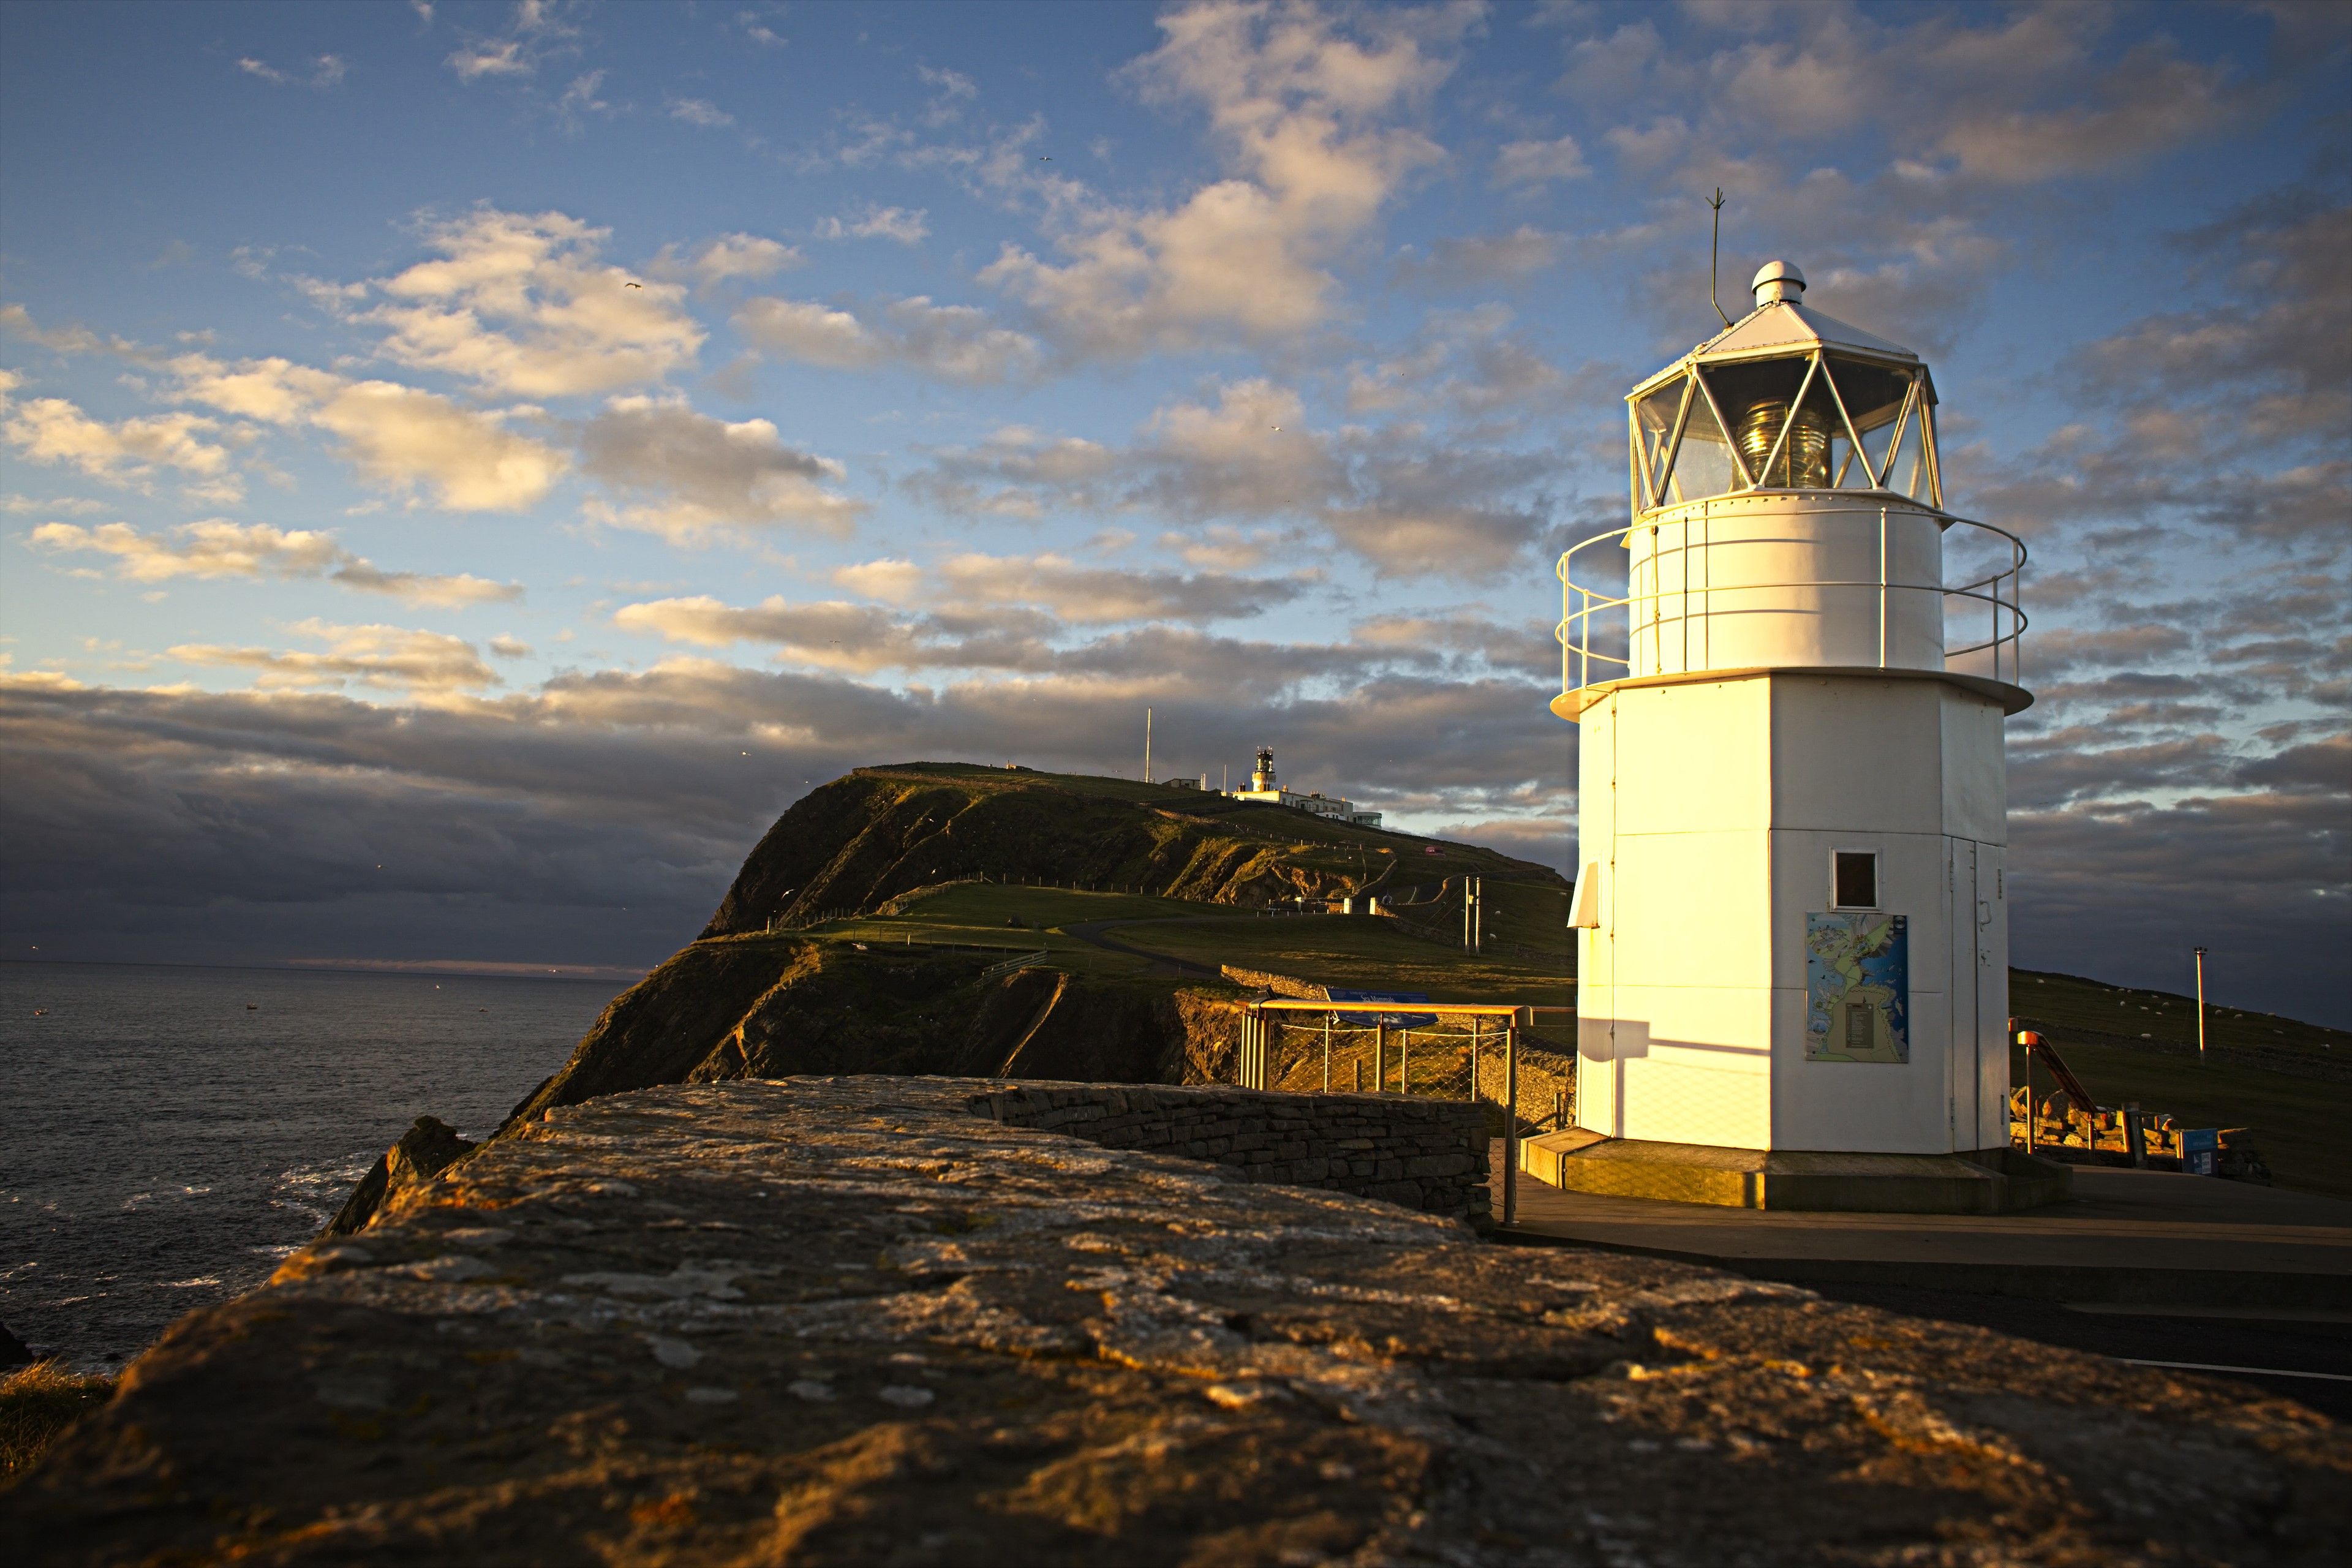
[(1091, 933), (2121, 1219)]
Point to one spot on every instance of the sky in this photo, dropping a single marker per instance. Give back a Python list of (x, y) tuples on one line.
[(466, 468)]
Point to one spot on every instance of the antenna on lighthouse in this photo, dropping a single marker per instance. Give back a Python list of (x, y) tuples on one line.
[(1714, 243)]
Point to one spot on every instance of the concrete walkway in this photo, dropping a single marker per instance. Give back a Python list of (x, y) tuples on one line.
[(2155, 1238)]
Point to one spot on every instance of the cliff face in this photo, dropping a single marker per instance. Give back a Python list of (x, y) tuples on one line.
[(774, 1006), (850, 1322)]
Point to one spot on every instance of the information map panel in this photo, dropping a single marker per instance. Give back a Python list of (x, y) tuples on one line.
[(1857, 987)]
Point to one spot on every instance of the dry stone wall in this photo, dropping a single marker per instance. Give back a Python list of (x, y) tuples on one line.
[(1424, 1155)]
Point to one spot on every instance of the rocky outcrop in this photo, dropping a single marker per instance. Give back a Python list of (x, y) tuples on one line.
[(423, 1152), (767, 1006), (850, 1322), (1279, 984)]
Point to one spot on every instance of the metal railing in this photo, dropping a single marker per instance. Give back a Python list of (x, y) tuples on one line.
[(1487, 1041), (1581, 604)]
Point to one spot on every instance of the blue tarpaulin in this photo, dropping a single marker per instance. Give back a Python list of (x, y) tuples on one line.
[(1393, 1020)]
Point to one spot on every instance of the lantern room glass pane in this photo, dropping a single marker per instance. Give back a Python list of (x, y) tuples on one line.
[(1754, 395), (1873, 394), (1703, 462), (1908, 474), (1653, 422)]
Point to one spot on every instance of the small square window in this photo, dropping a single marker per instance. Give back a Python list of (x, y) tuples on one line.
[(1854, 879)]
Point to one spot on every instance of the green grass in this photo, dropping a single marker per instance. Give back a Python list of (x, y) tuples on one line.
[(976, 913), (1336, 950), (2070, 1002), (2299, 1123), (37, 1403)]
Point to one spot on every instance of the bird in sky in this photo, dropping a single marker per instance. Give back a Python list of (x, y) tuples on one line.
[(1042, 158), (632, 285), (1274, 428)]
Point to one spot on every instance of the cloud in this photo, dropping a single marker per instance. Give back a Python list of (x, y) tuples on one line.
[(1074, 593), (700, 111), (2152, 103), (1300, 102), (834, 634), (326, 71), (522, 304), (1540, 162), (218, 547), (733, 256), (491, 57), (1479, 261), (53, 431), (537, 28), (877, 223), (397, 438), (58, 340), (953, 342), (579, 98), (1408, 506), (381, 657), (690, 477)]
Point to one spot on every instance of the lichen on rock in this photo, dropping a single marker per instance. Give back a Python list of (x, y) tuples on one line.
[(848, 1321)]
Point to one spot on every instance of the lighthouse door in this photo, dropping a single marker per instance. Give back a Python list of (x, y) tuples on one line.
[(1963, 1069), (1992, 1096)]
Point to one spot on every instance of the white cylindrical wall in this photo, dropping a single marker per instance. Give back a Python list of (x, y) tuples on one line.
[(1802, 581)]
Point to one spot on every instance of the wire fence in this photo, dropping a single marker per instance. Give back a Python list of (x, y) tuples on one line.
[(1445, 1060)]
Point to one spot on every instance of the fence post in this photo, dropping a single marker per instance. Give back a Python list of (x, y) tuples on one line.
[(1404, 1062), (1327, 1052), (1380, 1054), (1511, 1121)]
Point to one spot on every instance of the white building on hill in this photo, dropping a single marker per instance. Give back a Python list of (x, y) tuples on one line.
[(1264, 787)]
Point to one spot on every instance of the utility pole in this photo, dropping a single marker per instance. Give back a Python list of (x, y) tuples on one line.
[(1146, 745), (2200, 1003)]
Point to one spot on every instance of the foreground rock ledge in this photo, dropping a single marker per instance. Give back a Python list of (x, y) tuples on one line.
[(847, 1321)]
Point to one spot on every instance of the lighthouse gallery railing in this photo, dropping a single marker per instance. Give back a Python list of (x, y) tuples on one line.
[(1579, 603)]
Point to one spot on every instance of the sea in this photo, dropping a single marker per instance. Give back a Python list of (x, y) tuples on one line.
[(167, 1134)]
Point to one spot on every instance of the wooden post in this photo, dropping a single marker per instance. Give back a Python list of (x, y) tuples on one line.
[(1404, 1062), (1327, 1052), (1511, 1121), (1478, 1029), (1380, 1054)]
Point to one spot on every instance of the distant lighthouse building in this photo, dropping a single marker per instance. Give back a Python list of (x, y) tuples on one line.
[(1266, 788), (1790, 674)]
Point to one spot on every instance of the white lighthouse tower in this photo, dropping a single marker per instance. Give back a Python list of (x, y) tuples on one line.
[(1793, 960)]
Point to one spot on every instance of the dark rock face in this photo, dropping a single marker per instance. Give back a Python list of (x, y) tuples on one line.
[(849, 1323), (423, 1152), (780, 1007)]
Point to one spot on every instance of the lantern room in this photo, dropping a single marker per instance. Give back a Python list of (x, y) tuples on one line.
[(1789, 399)]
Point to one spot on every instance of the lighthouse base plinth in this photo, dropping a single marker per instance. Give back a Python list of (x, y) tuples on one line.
[(1989, 1180)]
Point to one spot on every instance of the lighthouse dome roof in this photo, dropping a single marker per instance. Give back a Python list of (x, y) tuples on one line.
[(1783, 326)]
